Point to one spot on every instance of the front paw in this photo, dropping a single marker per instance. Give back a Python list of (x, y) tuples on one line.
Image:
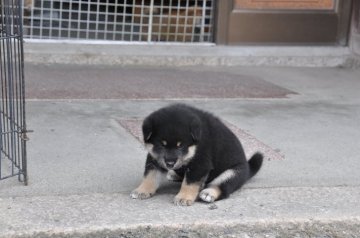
[(183, 201), (136, 194)]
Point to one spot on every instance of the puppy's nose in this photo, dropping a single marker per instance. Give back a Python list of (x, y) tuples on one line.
[(170, 164)]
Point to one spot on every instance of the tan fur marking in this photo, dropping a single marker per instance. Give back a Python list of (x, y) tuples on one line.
[(215, 191), (187, 194), (149, 183)]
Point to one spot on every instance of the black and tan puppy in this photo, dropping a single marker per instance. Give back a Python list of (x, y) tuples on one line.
[(196, 147)]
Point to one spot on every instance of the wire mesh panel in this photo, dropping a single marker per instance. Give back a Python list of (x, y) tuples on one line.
[(12, 104), (120, 20)]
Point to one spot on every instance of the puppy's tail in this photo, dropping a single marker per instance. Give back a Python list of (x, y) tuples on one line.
[(255, 163)]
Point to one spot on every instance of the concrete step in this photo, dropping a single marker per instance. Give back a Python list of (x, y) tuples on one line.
[(251, 212), (74, 52)]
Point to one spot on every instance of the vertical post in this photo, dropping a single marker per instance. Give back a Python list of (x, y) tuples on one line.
[(203, 15), (21, 98), (151, 13), (355, 29), (221, 22)]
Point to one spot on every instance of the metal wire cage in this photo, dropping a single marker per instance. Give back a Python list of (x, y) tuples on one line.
[(186, 21), (12, 94)]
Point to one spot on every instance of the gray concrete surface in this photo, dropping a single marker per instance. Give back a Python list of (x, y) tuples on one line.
[(83, 165)]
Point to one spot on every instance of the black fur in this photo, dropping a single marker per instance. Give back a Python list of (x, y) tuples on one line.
[(217, 148)]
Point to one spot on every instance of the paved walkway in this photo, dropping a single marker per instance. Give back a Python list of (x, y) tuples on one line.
[(83, 162)]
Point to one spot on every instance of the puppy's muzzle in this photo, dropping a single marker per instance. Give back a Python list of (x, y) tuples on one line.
[(170, 162)]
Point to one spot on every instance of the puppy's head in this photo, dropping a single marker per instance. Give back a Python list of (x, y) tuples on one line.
[(171, 137)]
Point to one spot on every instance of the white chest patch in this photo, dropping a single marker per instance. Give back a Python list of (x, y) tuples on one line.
[(149, 147)]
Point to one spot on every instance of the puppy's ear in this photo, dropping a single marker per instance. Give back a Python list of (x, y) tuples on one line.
[(195, 129), (147, 129)]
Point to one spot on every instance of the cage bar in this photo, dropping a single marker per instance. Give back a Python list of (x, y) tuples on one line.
[(12, 94)]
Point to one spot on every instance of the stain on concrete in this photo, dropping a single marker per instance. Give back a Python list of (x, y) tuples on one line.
[(104, 82)]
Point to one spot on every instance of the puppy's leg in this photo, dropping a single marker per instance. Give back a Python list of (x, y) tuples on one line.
[(188, 193), (150, 182), (223, 185), (148, 186)]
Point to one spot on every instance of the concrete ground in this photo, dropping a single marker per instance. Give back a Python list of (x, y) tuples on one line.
[(83, 164)]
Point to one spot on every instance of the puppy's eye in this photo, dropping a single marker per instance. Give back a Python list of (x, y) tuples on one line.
[(163, 142), (178, 144)]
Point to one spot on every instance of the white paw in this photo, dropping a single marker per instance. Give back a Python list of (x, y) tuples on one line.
[(209, 194), (140, 195), (178, 201)]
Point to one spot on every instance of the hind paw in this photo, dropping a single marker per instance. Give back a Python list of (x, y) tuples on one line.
[(209, 194)]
